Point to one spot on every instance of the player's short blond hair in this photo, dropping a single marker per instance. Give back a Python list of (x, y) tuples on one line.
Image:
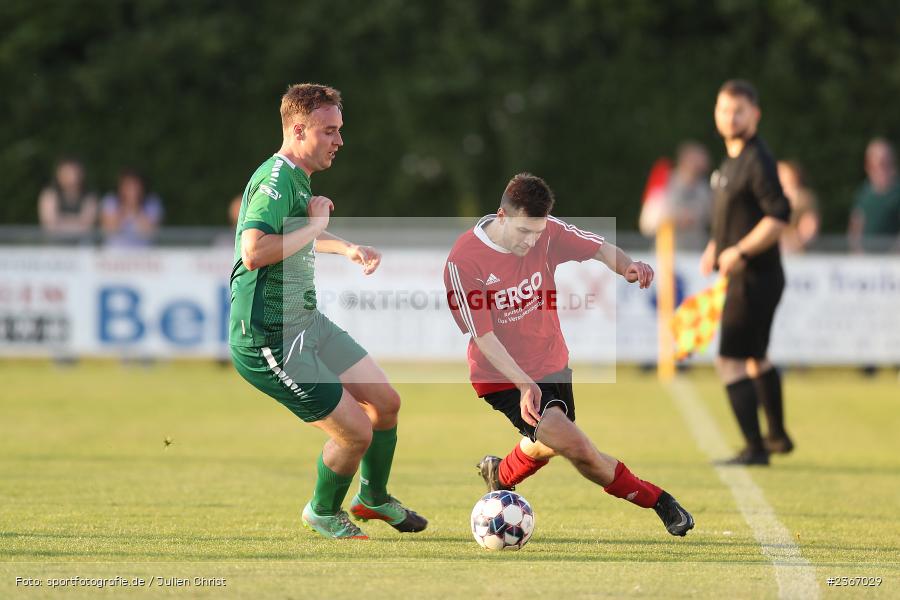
[(301, 99)]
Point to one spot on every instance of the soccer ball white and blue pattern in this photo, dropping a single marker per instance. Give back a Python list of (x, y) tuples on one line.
[(502, 520)]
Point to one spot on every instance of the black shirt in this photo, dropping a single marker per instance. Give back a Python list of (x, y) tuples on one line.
[(746, 189)]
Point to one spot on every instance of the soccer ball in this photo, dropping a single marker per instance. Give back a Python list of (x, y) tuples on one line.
[(502, 520)]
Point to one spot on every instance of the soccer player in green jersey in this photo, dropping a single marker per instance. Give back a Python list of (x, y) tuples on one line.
[(286, 348)]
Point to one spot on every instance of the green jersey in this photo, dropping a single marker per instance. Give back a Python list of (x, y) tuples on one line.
[(880, 210), (275, 301)]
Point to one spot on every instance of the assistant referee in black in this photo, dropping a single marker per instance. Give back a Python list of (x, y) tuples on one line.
[(749, 213)]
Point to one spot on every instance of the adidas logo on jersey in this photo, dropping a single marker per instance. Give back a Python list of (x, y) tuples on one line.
[(492, 279)]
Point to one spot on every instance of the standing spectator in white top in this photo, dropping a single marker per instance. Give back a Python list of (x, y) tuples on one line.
[(67, 212), (131, 216), (686, 200)]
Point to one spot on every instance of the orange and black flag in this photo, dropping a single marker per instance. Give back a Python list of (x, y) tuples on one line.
[(696, 319)]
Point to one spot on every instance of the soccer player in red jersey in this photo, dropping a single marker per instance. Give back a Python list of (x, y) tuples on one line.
[(501, 290)]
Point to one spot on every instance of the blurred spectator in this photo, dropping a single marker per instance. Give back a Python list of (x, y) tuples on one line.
[(131, 216), (686, 199), (65, 209), (234, 212), (875, 220), (804, 224), (690, 196)]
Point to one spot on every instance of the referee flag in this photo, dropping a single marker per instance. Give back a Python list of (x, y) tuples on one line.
[(696, 319)]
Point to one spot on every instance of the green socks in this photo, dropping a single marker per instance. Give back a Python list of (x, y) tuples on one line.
[(331, 489), (376, 467)]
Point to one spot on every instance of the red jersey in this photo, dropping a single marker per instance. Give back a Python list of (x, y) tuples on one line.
[(491, 289)]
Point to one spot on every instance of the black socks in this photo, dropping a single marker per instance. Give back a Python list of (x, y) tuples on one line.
[(768, 390), (742, 394)]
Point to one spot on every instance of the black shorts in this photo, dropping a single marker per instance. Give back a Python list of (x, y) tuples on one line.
[(750, 304), (556, 390)]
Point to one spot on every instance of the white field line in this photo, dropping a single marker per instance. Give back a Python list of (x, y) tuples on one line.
[(795, 575)]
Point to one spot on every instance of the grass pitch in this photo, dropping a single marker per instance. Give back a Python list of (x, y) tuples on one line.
[(89, 489)]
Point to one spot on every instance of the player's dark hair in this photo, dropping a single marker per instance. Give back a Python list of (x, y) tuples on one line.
[(301, 99), (69, 159), (529, 193), (740, 87), (132, 173)]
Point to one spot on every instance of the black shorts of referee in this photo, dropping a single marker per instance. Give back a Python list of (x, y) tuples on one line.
[(750, 303), (556, 390)]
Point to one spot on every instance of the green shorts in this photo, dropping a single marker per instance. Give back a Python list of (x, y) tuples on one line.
[(303, 372)]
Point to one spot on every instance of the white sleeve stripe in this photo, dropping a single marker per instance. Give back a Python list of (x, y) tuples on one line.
[(464, 301), (587, 235), (461, 301), (582, 233), (456, 293)]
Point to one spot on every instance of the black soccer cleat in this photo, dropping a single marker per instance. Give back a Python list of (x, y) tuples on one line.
[(391, 512), (489, 468), (747, 457), (677, 520), (413, 523), (779, 444)]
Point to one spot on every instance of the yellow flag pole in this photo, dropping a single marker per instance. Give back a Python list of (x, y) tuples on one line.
[(665, 299)]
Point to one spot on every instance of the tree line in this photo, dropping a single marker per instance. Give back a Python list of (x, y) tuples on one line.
[(444, 100)]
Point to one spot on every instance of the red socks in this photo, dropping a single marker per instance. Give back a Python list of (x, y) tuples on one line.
[(637, 491), (517, 466)]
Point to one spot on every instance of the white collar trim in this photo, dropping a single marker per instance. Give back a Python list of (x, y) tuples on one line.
[(482, 235), (285, 159)]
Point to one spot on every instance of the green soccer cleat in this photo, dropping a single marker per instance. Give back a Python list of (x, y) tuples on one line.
[(392, 512), (336, 527)]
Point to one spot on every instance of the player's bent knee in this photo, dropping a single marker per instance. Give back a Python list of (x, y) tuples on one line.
[(390, 404), (348, 425), (357, 439), (545, 454), (384, 408), (536, 450)]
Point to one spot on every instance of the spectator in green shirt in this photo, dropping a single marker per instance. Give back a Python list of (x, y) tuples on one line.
[(875, 220)]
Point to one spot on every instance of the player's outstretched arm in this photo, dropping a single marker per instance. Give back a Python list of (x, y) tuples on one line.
[(633, 271), (328, 243), (497, 354), (260, 249), (367, 256)]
